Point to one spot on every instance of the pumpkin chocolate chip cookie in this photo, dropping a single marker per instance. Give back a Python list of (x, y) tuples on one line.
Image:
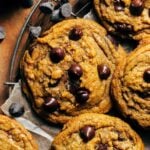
[(14, 136), (69, 70), (126, 18), (93, 131), (131, 85)]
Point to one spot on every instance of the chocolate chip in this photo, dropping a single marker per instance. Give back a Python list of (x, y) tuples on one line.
[(57, 54), (55, 16), (75, 34), (82, 95), (35, 31), (59, 3), (103, 71), (2, 33), (16, 109), (73, 86), (136, 7), (146, 75), (123, 28), (46, 7), (75, 71), (119, 5), (66, 10), (113, 40), (102, 146), (87, 133), (27, 3), (50, 104)]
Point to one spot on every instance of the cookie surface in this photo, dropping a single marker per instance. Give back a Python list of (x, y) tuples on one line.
[(69, 70), (97, 132), (126, 18), (14, 136), (131, 85)]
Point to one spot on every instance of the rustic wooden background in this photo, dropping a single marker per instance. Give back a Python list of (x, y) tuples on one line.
[(12, 18)]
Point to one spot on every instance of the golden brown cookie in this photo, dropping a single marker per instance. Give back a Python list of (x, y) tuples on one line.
[(13, 136), (69, 70), (126, 18), (93, 131), (131, 85)]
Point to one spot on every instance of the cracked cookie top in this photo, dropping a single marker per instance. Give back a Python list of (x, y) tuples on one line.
[(131, 85), (97, 132), (68, 70), (126, 18), (14, 136)]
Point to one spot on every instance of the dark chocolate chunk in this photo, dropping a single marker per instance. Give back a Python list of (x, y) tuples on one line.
[(46, 7), (136, 7), (73, 86), (16, 109), (57, 54), (123, 28), (87, 133), (75, 71), (146, 75), (82, 95), (119, 5), (27, 3), (35, 31), (55, 16), (102, 146), (75, 34), (66, 10), (2, 33), (51, 104), (103, 71), (59, 3)]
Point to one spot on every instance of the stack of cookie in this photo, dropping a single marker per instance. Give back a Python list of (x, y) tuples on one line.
[(76, 70)]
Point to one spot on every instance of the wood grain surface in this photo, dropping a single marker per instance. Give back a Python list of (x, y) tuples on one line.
[(12, 20)]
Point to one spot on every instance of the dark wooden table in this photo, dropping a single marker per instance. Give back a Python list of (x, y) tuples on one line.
[(12, 20)]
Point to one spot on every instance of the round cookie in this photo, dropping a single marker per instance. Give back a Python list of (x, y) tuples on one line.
[(126, 18), (131, 85), (93, 131), (68, 71), (13, 136)]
